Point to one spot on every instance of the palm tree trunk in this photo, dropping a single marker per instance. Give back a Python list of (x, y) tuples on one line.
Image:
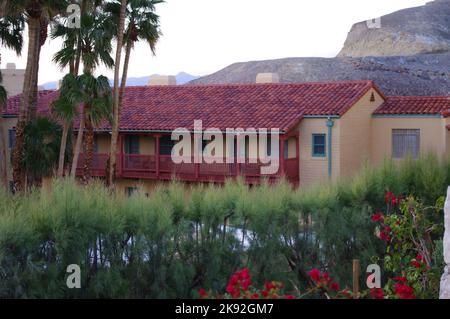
[(115, 126), (76, 154), (27, 99), (43, 26), (88, 148), (62, 149)]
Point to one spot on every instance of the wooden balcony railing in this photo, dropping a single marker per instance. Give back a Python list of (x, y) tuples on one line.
[(163, 168)]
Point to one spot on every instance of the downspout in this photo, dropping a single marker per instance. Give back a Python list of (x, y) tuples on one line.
[(330, 124)]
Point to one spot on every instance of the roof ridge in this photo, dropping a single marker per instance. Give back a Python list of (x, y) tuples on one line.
[(256, 84)]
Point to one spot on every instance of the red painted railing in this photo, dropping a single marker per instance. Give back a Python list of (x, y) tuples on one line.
[(145, 167)]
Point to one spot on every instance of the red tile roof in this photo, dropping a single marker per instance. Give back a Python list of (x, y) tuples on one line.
[(161, 108), (398, 105)]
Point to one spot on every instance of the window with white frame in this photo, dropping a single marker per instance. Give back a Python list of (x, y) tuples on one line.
[(405, 142)]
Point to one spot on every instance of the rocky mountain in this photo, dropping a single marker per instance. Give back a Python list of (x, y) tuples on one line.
[(419, 30), (408, 55), (427, 74)]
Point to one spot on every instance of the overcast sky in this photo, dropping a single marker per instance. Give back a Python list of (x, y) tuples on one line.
[(203, 36)]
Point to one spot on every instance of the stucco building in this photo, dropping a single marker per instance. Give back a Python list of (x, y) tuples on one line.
[(327, 129)]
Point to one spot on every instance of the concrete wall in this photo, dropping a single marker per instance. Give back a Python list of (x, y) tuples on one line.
[(434, 136), (355, 133)]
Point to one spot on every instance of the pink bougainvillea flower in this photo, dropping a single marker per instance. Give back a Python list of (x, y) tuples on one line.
[(377, 293), (335, 286), (378, 217), (404, 291), (314, 274), (202, 292), (400, 279)]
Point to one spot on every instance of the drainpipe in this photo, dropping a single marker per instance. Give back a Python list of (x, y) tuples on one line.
[(330, 124)]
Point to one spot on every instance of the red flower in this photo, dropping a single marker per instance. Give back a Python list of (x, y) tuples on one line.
[(315, 275), (265, 293), (202, 292), (239, 282), (335, 286), (255, 296), (420, 258), (388, 196), (416, 264), (377, 293), (404, 291), (289, 297), (378, 217), (400, 279), (269, 286), (385, 237)]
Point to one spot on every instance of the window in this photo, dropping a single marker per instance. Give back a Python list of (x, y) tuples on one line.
[(165, 145), (130, 191), (405, 143), (319, 143), (131, 144), (11, 138)]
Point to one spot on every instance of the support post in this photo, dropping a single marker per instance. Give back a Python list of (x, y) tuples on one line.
[(356, 273), (282, 166), (121, 156), (157, 154)]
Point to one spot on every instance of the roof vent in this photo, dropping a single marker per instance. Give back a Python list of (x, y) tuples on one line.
[(162, 80), (268, 78)]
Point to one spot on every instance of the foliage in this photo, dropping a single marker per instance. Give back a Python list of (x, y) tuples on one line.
[(411, 232), (181, 238), (42, 140)]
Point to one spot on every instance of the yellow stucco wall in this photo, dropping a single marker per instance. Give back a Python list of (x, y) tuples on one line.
[(434, 137), (315, 169), (355, 133)]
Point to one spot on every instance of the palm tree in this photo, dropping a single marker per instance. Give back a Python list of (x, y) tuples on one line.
[(42, 139), (97, 100), (95, 94), (141, 24), (112, 157), (65, 108), (89, 45), (37, 14)]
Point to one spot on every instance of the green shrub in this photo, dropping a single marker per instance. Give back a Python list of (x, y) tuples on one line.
[(185, 237)]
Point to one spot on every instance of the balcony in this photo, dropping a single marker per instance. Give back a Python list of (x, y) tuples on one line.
[(163, 168)]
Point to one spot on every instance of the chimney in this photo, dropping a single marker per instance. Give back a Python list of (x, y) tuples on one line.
[(10, 66), (162, 80), (268, 78)]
